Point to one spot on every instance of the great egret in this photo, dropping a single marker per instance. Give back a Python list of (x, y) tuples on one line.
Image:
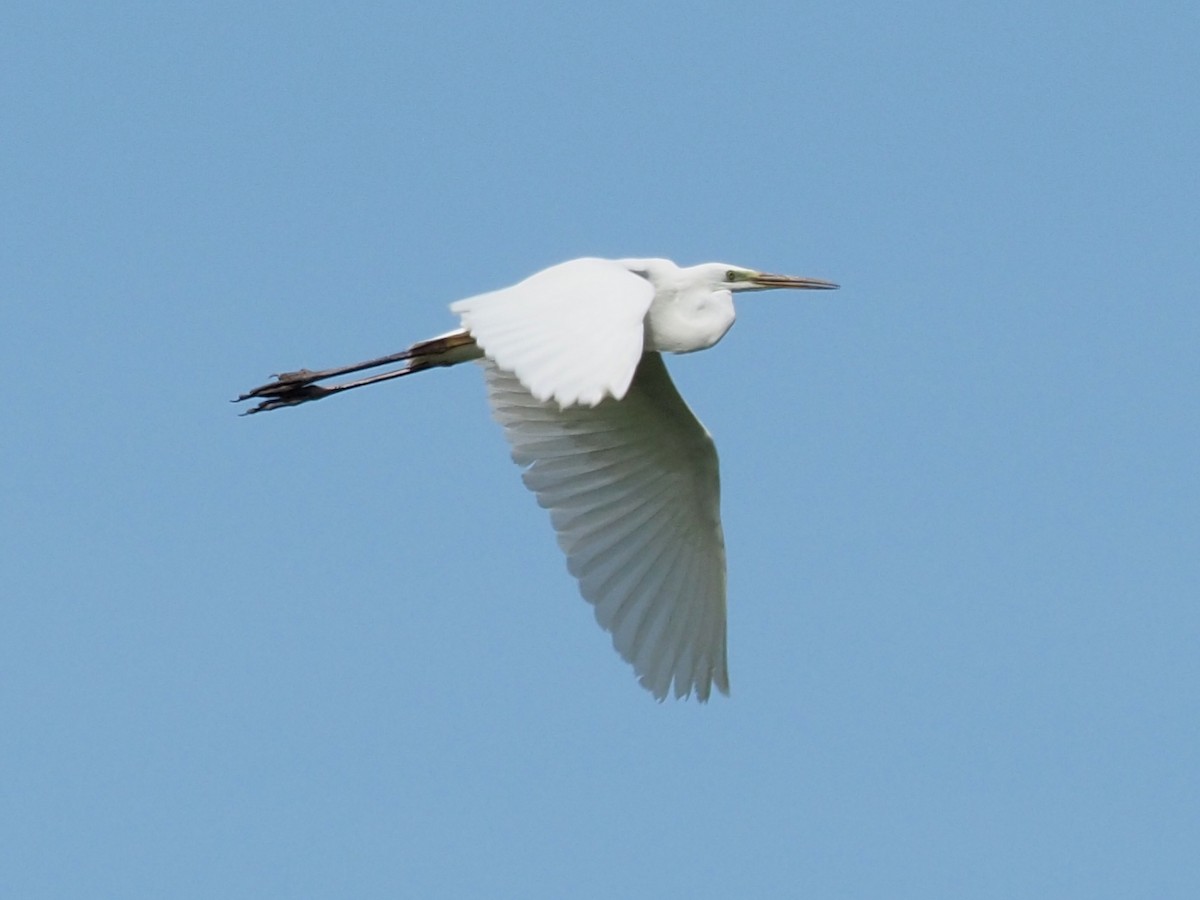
[(572, 359)]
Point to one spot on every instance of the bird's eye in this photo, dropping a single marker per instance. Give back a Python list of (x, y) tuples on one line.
[(731, 275)]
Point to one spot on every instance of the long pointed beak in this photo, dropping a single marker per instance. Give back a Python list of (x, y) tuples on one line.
[(763, 281)]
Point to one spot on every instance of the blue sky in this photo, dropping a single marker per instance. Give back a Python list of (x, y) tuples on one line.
[(334, 651)]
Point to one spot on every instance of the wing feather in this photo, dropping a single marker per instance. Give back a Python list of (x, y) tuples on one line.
[(572, 333), (633, 490), (670, 636)]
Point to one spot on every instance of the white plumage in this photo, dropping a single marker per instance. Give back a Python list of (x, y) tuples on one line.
[(607, 444), (632, 488), (572, 332)]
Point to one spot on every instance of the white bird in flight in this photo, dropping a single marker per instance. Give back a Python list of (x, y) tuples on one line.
[(573, 361)]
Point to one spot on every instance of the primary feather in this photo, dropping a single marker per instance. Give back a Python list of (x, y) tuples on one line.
[(632, 486)]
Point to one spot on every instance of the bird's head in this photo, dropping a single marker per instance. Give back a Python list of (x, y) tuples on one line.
[(735, 278)]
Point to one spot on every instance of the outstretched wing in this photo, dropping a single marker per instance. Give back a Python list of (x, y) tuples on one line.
[(572, 333), (633, 489)]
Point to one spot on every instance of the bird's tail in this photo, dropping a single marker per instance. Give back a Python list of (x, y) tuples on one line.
[(447, 349)]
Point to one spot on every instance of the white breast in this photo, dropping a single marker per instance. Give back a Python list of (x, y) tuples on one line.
[(688, 320)]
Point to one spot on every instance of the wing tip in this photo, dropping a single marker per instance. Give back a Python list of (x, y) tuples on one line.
[(685, 688)]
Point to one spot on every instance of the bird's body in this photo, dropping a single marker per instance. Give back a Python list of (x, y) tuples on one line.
[(575, 377)]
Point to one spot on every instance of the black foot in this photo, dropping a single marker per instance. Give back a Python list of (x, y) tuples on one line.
[(288, 389)]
